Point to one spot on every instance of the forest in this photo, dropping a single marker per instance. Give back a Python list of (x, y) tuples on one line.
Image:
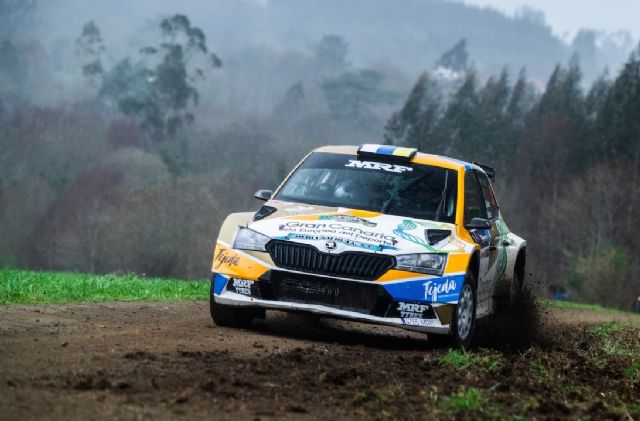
[(123, 145)]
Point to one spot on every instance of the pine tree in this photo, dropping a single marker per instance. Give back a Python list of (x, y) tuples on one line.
[(492, 120), (332, 51), (90, 48), (618, 128), (555, 133), (520, 101), (619, 118), (350, 94), (410, 125), (457, 129), (456, 58)]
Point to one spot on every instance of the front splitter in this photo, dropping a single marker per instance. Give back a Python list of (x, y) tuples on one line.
[(421, 325)]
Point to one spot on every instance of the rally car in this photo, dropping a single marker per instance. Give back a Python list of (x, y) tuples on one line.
[(375, 234)]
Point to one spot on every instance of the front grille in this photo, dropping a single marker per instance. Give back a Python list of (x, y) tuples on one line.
[(337, 293), (306, 258)]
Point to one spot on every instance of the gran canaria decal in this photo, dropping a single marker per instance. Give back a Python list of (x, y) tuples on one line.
[(347, 218), (352, 243), (333, 231)]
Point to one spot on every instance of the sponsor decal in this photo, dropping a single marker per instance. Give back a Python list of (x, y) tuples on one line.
[(347, 218), (420, 322), (427, 290), (354, 163), (334, 240), (344, 234), (411, 310), (433, 289), (408, 225), (242, 286), (226, 257), (299, 209)]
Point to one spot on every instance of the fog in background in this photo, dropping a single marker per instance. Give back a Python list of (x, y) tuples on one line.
[(128, 130), (568, 17), (265, 43)]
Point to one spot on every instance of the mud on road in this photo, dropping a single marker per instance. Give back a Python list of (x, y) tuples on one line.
[(168, 361)]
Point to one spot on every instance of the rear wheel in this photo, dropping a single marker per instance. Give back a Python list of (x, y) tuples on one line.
[(231, 316), (464, 316), (504, 304)]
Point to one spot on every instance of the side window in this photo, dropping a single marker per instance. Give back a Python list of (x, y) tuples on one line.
[(474, 206), (489, 197)]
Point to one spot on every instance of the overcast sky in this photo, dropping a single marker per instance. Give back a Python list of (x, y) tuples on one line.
[(567, 16)]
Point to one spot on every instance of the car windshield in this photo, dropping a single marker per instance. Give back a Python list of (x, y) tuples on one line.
[(394, 188)]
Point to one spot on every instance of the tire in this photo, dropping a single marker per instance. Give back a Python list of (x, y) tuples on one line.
[(503, 304), (517, 287), (463, 324), (230, 316)]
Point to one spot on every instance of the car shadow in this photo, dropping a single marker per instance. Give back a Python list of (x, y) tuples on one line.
[(349, 333)]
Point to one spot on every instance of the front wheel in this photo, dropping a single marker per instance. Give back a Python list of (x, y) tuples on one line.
[(231, 316), (464, 316)]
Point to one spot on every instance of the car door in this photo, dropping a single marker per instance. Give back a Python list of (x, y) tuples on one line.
[(497, 251), (499, 233), (475, 206)]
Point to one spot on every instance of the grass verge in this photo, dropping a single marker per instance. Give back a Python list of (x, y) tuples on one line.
[(587, 307), (465, 360), (26, 287)]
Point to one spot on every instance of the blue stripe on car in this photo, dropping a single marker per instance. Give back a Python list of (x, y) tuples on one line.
[(385, 150), (219, 282), (444, 289)]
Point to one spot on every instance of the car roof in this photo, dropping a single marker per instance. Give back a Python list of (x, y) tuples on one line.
[(418, 158)]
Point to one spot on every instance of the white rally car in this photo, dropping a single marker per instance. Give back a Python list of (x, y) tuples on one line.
[(376, 234)]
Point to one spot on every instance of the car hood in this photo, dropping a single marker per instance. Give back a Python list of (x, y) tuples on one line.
[(336, 230)]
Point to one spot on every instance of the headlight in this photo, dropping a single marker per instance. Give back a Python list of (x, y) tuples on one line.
[(431, 263), (248, 239)]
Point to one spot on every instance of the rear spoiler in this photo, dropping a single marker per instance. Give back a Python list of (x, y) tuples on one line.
[(490, 171)]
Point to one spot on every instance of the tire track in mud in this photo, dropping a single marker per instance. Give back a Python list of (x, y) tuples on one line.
[(167, 360)]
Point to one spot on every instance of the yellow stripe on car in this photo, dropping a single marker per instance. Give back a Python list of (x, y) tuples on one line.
[(228, 261)]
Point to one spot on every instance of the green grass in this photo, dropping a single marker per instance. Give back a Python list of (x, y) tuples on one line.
[(588, 307), (465, 399), (617, 339), (466, 360), (25, 287)]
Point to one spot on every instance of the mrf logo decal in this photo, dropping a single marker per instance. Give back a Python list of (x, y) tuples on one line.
[(369, 165), (242, 286), (411, 310)]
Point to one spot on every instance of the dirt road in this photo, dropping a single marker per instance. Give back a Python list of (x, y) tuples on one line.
[(167, 361)]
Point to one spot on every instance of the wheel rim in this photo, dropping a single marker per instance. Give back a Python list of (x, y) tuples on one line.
[(465, 312)]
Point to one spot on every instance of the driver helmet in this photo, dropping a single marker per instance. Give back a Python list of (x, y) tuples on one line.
[(347, 189)]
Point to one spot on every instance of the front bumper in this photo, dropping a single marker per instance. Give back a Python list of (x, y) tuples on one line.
[(343, 301)]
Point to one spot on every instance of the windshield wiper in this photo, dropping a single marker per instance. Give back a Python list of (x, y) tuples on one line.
[(443, 198)]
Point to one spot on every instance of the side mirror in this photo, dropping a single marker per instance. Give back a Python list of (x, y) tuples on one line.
[(263, 194), (478, 224)]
